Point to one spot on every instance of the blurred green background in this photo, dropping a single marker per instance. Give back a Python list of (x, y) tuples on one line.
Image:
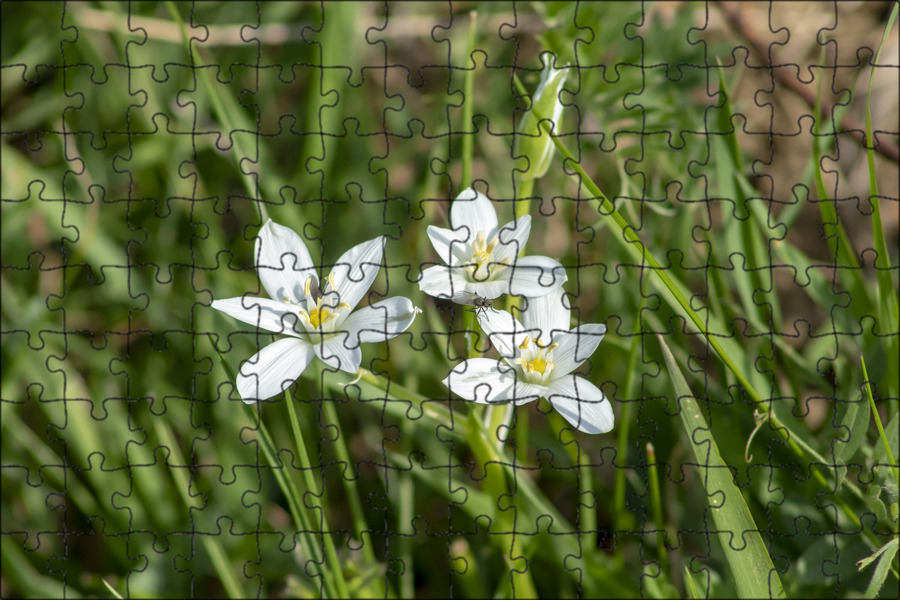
[(133, 171)]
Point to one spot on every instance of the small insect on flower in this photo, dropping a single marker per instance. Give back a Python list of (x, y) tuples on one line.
[(472, 299)]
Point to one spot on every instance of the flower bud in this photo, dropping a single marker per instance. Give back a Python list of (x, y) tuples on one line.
[(532, 141)]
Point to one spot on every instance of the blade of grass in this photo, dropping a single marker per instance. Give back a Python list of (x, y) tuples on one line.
[(884, 440), (286, 484), (468, 139), (335, 570), (888, 307), (656, 505), (210, 541), (748, 559)]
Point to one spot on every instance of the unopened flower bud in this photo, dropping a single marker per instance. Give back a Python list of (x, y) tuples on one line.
[(532, 141)]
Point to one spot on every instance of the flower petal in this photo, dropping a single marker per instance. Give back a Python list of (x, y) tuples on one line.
[(548, 314), (278, 317), (533, 276), (505, 331), (576, 346), (473, 210), (442, 281), (282, 262), (481, 380), (356, 269), (335, 353), (581, 403), (381, 321), (512, 238), (452, 246), (273, 369), (487, 289)]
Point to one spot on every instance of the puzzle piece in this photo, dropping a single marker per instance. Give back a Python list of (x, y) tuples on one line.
[(150, 151)]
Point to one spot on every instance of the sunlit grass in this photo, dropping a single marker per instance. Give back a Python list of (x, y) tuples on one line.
[(139, 165)]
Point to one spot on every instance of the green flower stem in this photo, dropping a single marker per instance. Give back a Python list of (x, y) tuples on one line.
[(332, 559), (676, 294), (523, 196), (656, 506), (405, 518), (292, 494), (624, 519), (356, 511), (483, 444), (285, 483), (468, 139), (211, 543)]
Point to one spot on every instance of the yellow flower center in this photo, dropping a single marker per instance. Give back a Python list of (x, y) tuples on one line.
[(535, 360), (482, 256), (481, 251), (315, 318)]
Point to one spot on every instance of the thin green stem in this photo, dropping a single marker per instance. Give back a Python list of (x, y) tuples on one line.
[(884, 440), (356, 511), (523, 196), (468, 139), (623, 518), (291, 493), (405, 518), (656, 507), (331, 556), (285, 483)]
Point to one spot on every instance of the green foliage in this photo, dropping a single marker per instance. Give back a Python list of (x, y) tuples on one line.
[(143, 145)]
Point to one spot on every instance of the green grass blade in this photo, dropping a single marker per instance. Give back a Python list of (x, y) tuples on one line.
[(748, 559), (888, 307)]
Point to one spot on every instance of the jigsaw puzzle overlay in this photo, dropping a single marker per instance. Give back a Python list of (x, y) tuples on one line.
[(449, 299)]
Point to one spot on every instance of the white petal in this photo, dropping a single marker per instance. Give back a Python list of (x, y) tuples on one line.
[(473, 210), (442, 281), (481, 380), (356, 269), (505, 331), (535, 276), (282, 262), (488, 289), (452, 246), (576, 346), (273, 369), (381, 321), (263, 313), (581, 403), (335, 353), (512, 237), (548, 314)]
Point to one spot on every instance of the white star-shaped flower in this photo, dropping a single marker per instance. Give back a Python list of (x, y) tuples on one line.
[(539, 355), (482, 259), (319, 320)]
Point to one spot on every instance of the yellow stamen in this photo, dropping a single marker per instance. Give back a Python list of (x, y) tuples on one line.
[(538, 364), (307, 286), (524, 344)]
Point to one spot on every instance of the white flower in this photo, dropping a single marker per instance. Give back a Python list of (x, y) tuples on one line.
[(483, 259), (318, 319), (538, 356)]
